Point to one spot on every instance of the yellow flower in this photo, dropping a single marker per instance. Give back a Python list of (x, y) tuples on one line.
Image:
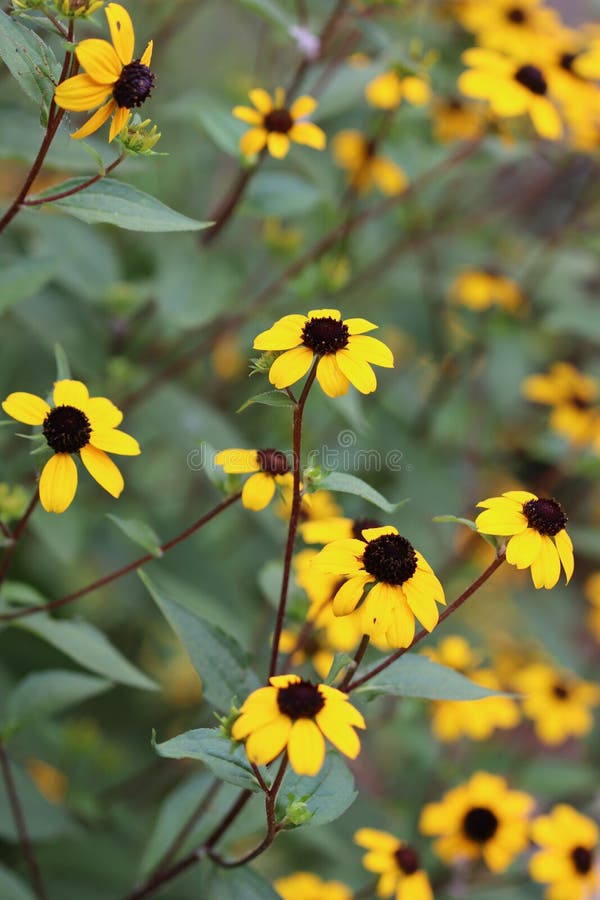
[(539, 540), (50, 782), (517, 27), (344, 352), (110, 72), (475, 719), (367, 168), (336, 528), (567, 859), (404, 586), (454, 651), (511, 88), (479, 819), (558, 703), (297, 715), (396, 863), (455, 120), (313, 507), (592, 592), (274, 126), (387, 90), (80, 424), (78, 8), (478, 289), (306, 886), (572, 395), (271, 468)]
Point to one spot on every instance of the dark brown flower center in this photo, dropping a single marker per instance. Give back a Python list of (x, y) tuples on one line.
[(545, 516), (580, 403), (67, 429), (278, 120), (560, 691), (516, 15), (480, 824), (390, 558), (533, 79), (359, 525), (582, 860), (567, 60), (134, 85), (273, 461), (301, 700), (325, 335), (407, 859)]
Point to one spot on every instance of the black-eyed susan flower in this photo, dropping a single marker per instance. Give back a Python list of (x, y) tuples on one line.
[(512, 88), (482, 819), (271, 469), (366, 167), (274, 126), (567, 860), (308, 886), (517, 27), (557, 702), (344, 351), (404, 584), (538, 538), (397, 864), (80, 425), (480, 289), (572, 395), (112, 77), (298, 715), (387, 90)]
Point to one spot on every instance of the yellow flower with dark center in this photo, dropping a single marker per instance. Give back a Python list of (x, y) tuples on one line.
[(76, 424), (567, 860), (396, 863), (336, 528), (558, 703), (404, 584), (112, 77), (365, 166), (455, 120), (271, 468), (344, 351), (274, 126), (538, 537), (387, 90), (577, 95), (572, 394), (298, 715), (307, 886), (517, 27), (478, 289), (481, 819), (511, 88)]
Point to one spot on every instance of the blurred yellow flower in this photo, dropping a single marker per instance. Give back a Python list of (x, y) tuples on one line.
[(558, 702), (475, 719), (397, 864), (50, 781), (479, 289), (334, 528), (567, 860), (274, 126), (517, 27), (366, 167), (572, 394), (455, 120), (387, 90), (307, 886)]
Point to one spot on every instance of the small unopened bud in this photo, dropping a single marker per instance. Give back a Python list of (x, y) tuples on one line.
[(139, 138)]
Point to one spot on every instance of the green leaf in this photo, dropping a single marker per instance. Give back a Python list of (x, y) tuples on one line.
[(350, 484), (242, 883), (458, 520), (418, 676), (140, 533), (213, 749), (119, 204), (327, 795), (45, 820), (12, 888), (44, 694), (268, 398), (63, 369), (29, 60), (24, 278), (269, 11), (88, 646), (339, 662), (216, 656)]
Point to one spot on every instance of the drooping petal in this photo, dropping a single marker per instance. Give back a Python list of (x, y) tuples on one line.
[(290, 367), (121, 31), (342, 735), (358, 372), (27, 408), (371, 350), (81, 93), (267, 742), (349, 594), (331, 379), (100, 60), (247, 114), (58, 483), (102, 469), (421, 602), (302, 107), (546, 119), (306, 747), (523, 548), (237, 461), (96, 121), (115, 441), (261, 100), (253, 141), (118, 123), (309, 134), (545, 569), (401, 629), (278, 144), (70, 393), (377, 608), (258, 710), (258, 491), (565, 552)]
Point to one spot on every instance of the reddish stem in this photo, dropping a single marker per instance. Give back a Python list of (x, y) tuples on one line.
[(80, 187)]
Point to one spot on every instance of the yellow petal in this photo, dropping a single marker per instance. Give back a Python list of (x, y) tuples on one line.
[(100, 61), (349, 594), (343, 736), (102, 413), (421, 602), (70, 393), (389, 177), (565, 552), (358, 372), (253, 141), (501, 522), (121, 31), (302, 107), (523, 548), (309, 134), (285, 334), (371, 534), (306, 747), (278, 144), (237, 462), (545, 569), (261, 100), (290, 366), (58, 483), (115, 441), (324, 314), (373, 839), (81, 93), (331, 379), (118, 123), (146, 58), (102, 469), (246, 114), (26, 408), (258, 491), (546, 119), (359, 326), (371, 350), (267, 742), (96, 121), (401, 629), (349, 149)]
